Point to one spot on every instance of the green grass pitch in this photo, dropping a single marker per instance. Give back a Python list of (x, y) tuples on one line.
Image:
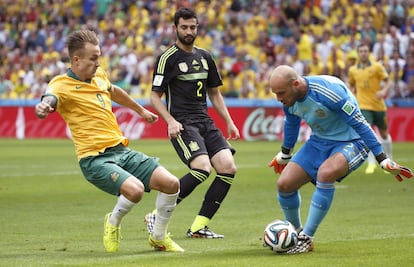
[(50, 215)]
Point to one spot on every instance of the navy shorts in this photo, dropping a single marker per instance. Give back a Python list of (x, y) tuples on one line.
[(199, 138)]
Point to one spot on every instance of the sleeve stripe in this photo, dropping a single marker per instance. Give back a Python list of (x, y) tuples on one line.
[(325, 92), (164, 57)]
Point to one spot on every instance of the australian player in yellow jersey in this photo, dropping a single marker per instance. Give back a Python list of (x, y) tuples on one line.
[(82, 96), (370, 83)]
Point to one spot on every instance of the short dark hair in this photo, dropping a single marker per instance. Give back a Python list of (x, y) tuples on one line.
[(184, 13), (362, 45), (77, 40)]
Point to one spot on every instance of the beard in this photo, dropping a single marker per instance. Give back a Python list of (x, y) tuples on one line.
[(186, 40)]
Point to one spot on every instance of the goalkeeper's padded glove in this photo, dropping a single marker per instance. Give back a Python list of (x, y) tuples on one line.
[(398, 171), (280, 161)]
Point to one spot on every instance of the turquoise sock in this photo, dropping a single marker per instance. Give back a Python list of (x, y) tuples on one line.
[(290, 204), (321, 202)]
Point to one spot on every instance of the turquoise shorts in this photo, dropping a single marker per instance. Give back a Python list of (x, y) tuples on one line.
[(110, 169), (316, 150)]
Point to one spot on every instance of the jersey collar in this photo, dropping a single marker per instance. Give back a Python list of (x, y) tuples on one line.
[(368, 65), (71, 74)]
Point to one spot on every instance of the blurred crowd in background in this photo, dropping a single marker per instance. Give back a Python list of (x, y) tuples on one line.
[(247, 39)]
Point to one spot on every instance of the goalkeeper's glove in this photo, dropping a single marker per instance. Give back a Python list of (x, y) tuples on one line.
[(398, 171), (281, 159)]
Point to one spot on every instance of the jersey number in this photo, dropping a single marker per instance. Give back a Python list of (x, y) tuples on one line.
[(200, 86), (100, 99)]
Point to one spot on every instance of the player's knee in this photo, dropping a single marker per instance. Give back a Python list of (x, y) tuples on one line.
[(231, 168), (174, 184), (201, 163), (284, 186), (132, 190), (228, 166), (171, 185), (331, 174)]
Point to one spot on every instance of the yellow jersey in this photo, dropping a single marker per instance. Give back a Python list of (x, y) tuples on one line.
[(367, 82), (87, 109)]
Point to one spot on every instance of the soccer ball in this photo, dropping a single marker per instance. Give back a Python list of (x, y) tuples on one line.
[(280, 236)]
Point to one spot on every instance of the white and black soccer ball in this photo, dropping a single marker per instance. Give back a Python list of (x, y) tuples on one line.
[(280, 236)]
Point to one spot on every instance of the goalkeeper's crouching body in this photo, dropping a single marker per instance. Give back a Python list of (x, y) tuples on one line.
[(340, 141)]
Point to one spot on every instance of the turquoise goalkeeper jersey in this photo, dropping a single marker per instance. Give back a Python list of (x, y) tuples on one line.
[(331, 111)]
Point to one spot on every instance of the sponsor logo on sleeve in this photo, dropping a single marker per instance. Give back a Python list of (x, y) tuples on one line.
[(348, 108), (158, 80)]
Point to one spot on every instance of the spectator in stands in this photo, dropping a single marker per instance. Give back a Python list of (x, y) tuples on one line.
[(409, 90), (259, 28), (6, 86), (232, 87), (396, 13), (396, 65)]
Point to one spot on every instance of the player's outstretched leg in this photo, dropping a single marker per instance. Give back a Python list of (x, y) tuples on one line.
[(112, 235), (166, 244)]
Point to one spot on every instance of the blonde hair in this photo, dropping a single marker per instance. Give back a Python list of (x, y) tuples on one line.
[(76, 40)]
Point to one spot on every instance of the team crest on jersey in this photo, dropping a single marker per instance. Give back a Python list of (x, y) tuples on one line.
[(183, 67), (204, 63), (114, 176), (348, 108), (320, 113), (196, 65), (193, 146)]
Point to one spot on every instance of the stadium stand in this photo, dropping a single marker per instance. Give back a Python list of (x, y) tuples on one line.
[(247, 39)]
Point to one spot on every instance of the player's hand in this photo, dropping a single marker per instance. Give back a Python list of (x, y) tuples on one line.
[(233, 132), (149, 117), (43, 109), (280, 161), (398, 171), (174, 129)]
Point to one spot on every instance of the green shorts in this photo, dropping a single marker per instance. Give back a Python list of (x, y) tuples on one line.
[(110, 169), (377, 118)]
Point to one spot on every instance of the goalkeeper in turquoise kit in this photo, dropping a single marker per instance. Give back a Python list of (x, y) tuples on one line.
[(340, 141)]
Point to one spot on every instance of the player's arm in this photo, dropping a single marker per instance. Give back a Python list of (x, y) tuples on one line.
[(46, 106), (382, 94), (351, 81), (361, 126), (291, 132), (121, 97), (218, 103), (174, 127), (387, 83)]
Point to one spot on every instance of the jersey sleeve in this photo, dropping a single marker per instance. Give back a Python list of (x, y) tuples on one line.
[(351, 78), (349, 111), (158, 80), (214, 78), (291, 128), (383, 74)]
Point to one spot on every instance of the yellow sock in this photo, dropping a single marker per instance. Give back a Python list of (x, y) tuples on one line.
[(199, 223)]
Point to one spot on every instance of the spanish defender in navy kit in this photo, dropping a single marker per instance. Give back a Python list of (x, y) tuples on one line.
[(186, 75), (340, 141)]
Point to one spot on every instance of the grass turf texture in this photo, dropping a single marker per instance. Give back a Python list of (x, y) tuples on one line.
[(50, 215)]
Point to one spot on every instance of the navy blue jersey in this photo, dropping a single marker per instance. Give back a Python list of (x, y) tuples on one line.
[(185, 78), (331, 111)]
